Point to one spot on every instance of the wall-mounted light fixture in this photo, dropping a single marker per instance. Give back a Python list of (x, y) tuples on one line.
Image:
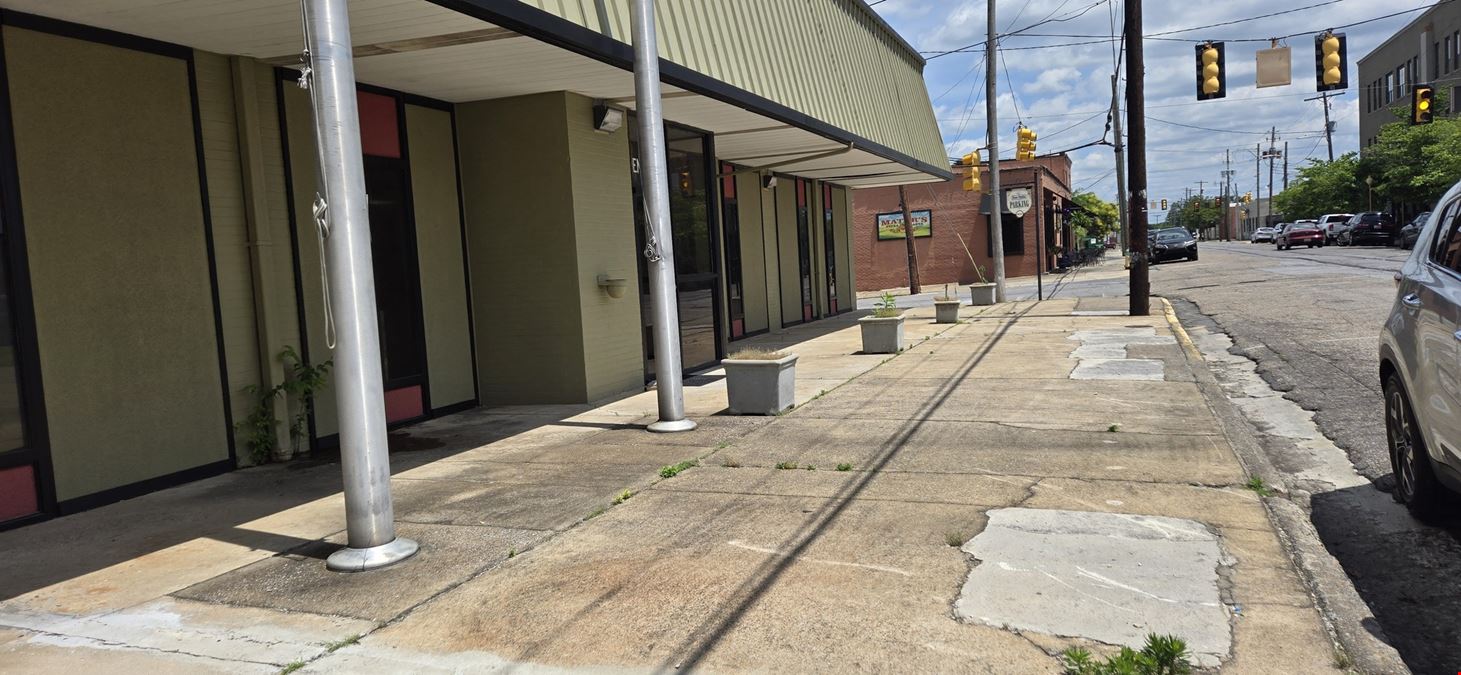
[(607, 119), (768, 181), (613, 285)]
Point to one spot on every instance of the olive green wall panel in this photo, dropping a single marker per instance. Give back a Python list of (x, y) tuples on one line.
[(603, 213), (299, 126), (753, 251), (519, 201), (841, 207), (119, 261), (788, 252), (439, 250)]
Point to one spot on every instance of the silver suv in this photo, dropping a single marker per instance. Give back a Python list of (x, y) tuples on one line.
[(1420, 364)]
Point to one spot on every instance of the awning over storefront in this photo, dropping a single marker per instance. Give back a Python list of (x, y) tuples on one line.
[(468, 50)]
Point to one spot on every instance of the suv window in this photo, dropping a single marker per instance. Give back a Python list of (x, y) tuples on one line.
[(1447, 250)]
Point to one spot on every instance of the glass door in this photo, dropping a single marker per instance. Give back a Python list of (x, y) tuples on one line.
[(697, 277), (804, 245), (829, 249)]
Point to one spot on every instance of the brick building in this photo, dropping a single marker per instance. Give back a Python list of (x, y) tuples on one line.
[(882, 263)]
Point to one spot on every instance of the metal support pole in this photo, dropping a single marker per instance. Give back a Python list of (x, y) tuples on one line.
[(1039, 206), (1136, 123), (343, 217), (996, 198), (660, 249)]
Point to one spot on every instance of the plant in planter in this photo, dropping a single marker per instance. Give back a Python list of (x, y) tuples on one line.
[(882, 333), (946, 308), (981, 293), (760, 382)]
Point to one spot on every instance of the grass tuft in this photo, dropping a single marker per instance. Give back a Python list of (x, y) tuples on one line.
[(623, 497), (844, 467), (1260, 488), (1114, 428), (333, 646), (955, 538), (675, 469), (786, 465), (1162, 655), (293, 666)]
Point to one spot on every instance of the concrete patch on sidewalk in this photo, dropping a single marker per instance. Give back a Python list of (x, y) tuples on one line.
[(1109, 577), (1102, 354)]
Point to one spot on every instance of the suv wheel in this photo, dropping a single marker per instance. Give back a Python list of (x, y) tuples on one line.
[(1415, 479)]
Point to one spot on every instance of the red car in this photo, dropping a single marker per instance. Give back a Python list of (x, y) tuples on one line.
[(1303, 232)]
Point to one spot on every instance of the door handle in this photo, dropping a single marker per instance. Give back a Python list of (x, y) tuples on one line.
[(1411, 300)]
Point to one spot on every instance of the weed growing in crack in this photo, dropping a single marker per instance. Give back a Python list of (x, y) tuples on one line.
[(955, 538), (597, 512), (1257, 485), (623, 497), (1162, 655), (674, 470), (334, 646), (1114, 428), (786, 465), (512, 552), (293, 666), (809, 467), (723, 444), (844, 467)]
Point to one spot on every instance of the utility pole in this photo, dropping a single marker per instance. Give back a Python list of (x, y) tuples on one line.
[(996, 198), (1120, 166), (1258, 186), (1285, 165), (1201, 184), (343, 217), (1272, 150), (1328, 126), (1136, 123), (660, 251), (913, 286), (1228, 196)]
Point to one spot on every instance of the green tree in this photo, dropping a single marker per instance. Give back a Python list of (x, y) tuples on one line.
[(1093, 217), (1414, 164), (1324, 187), (1194, 213)]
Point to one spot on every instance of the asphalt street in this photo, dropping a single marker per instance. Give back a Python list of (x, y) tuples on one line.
[(1310, 319)]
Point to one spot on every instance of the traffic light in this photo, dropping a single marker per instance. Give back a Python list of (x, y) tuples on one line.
[(1331, 65), (1247, 197), (1025, 143), (1212, 71), (1421, 103), (1164, 205), (971, 180)]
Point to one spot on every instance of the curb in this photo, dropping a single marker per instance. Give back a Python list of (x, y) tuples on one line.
[(1345, 614)]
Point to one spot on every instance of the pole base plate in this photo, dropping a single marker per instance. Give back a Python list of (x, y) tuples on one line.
[(375, 557), (671, 426)]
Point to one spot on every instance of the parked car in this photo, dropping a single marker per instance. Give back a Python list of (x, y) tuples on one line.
[(1300, 232), (1420, 364), (1411, 231), (1333, 224), (1371, 226), (1264, 234), (1173, 244)]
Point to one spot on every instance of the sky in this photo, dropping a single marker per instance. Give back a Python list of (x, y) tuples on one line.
[(1062, 92)]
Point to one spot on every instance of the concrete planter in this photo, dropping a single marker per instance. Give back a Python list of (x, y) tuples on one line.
[(760, 386), (946, 311), (882, 335), (981, 294)]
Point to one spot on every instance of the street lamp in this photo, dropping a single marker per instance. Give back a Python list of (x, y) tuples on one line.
[(1370, 183)]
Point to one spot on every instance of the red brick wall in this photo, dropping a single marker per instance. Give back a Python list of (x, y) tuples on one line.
[(941, 260)]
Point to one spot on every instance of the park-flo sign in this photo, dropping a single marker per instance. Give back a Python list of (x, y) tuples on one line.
[(890, 225)]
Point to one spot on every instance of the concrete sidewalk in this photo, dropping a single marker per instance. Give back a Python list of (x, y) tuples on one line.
[(1032, 478)]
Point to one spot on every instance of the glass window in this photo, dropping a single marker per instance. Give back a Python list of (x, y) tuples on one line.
[(1446, 251), (1389, 86), (1446, 59), (829, 246), (731, 216)]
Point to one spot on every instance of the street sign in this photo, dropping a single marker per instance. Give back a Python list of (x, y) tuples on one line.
[(1017, 201)]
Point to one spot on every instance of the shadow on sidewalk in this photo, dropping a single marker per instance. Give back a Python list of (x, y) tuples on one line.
[(690, 654)]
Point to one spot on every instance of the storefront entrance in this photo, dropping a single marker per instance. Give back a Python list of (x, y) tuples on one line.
[(697, 274)]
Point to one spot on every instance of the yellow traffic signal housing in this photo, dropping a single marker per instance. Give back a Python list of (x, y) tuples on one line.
[(1164, 205), (1025, 143), (971, 179), (1247, 197), (1422, 103), (1212, 71), (1331, 64)]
